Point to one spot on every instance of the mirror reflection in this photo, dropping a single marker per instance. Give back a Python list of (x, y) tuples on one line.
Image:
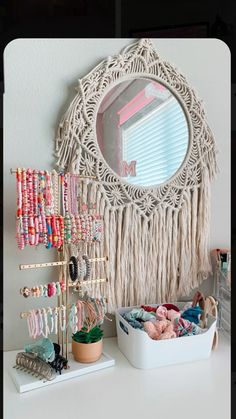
[(142, 132)]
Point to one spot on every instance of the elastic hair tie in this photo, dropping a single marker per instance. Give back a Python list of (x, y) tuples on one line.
[(41, 290), (63, 285), (49, 289), (88, 266), (53, 289), (73, 268), (25, 292), (45, 290), (58, 288)]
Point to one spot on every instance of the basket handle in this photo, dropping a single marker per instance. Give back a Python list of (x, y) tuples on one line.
[(123, 327)]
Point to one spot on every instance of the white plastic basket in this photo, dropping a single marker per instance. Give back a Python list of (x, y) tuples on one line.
[(145, 353)]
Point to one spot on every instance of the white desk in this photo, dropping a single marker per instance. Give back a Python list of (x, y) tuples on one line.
[(186, 391)]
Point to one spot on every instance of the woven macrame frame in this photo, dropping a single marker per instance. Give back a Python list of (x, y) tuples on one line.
[(176, 213)]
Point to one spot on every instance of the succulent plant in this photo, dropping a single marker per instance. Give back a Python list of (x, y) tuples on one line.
[(92, 336)]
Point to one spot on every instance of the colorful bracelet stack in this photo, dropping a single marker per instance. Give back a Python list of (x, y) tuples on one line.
[(38, 220)]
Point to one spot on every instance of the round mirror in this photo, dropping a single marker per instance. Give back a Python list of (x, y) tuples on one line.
[(142, 132)]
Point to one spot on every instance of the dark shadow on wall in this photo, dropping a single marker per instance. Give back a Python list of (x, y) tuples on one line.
[(182, 19), (118, 18), (55, 19)]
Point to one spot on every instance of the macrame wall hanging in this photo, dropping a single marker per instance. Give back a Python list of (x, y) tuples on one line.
[(156, 238)]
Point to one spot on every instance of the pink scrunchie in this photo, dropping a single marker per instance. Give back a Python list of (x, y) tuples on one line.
[(159, 330), (161, 313)]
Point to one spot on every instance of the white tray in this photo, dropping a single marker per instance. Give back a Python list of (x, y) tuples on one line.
[(26, 382)]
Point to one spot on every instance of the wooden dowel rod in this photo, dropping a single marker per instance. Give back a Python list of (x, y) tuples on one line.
[(12, 171), (59, 263), (91, 281), (42, 265)]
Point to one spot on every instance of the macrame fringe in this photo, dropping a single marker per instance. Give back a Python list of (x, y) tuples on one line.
[(150, 260)]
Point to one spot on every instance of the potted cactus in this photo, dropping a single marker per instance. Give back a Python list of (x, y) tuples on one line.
[(87, 345)]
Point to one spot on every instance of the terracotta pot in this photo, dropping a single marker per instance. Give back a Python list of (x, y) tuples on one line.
[(87, 352)]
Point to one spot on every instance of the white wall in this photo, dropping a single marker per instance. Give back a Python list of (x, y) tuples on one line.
[(40, 76)]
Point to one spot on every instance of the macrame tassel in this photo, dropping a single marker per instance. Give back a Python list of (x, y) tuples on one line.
[(121, 287), (111, 286), (174, 257), (118, 255), (116, 291), (193, 248), (204, 266), (185, 254)]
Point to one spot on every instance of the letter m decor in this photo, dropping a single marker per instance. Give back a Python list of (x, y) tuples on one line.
[(128, 169)]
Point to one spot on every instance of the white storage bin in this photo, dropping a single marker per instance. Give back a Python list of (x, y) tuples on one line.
[(144, 352)]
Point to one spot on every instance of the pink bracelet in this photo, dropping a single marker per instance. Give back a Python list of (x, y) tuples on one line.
[(36, 224)]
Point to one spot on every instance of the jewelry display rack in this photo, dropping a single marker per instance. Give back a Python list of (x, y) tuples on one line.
[(223, 295), (221, 267), (25, 382)]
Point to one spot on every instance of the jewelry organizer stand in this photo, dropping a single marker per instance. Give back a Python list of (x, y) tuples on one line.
[(222, 291), (26, 382)]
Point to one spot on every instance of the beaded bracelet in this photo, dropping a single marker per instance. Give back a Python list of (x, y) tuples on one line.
[(78, 228), (36, 224), (73, 229), (38, 219), (35, 192), (49, 232), (67, 221), (73, 268)]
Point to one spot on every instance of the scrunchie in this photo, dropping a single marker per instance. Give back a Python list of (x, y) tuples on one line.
[(161, 313)]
